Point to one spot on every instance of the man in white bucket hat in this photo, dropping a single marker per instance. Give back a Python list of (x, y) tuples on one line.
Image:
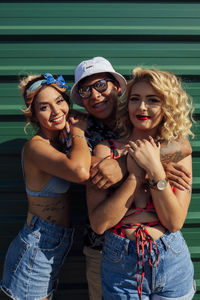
[(97, 88), (90, 67)]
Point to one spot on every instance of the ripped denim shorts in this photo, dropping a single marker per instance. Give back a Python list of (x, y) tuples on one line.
[(170, 279), (34, 259)]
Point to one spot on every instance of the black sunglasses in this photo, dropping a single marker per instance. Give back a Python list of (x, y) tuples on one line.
[(100, 86)]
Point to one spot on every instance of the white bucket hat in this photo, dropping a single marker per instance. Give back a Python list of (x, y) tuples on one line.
[(90, 67)]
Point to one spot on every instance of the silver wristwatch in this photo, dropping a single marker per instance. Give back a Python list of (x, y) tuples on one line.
[(159, 185)]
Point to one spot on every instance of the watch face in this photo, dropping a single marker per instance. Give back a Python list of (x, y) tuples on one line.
[(161, 184)]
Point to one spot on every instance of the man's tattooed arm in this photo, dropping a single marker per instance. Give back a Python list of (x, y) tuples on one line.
[(175, 151), (171, 154)]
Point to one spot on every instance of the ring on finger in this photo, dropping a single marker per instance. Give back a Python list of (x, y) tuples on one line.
[(134, 146), (138, 142)]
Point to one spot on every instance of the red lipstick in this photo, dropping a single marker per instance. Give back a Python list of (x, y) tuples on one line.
[(142, 117)]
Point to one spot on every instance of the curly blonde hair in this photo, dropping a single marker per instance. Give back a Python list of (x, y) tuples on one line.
[(24, 85), (176, 104)]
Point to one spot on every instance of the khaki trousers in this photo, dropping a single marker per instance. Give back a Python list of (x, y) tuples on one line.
[(93, 268)]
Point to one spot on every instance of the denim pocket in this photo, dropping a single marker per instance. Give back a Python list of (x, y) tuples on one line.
[(112, 254), (177, 244), (49, 242), (15, 253), (51, 251)]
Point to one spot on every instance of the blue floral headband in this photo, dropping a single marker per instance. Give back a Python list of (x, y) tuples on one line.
[(29, 95)]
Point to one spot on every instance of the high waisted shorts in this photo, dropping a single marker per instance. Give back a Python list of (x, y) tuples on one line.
[(170, 279), (34, 259)]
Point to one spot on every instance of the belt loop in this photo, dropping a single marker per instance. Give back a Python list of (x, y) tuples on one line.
[(31, 219), (126, 245), (164, 243)]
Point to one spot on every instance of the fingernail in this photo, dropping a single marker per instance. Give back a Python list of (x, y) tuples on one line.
[(68, 131)]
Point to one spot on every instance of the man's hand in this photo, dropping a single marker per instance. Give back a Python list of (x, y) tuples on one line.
[(106, 173), (70, 123), (178, 176)]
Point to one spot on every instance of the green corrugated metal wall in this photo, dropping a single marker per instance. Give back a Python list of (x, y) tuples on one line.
[(54, 36)]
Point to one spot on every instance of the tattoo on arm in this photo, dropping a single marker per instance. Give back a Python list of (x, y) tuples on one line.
[(175, 151), (172, 157)]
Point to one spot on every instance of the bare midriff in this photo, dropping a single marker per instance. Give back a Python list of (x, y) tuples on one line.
[(141, 213), (55, 210)]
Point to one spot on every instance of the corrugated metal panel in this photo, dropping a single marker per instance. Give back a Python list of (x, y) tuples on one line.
[(51, 36)]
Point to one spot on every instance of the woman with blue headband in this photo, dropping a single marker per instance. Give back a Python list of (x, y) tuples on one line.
[(35, 256)]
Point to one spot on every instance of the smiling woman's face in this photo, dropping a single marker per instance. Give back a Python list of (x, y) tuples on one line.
[(144, 107), (51, 111)]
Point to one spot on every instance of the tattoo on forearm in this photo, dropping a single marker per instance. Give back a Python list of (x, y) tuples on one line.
[(171, 157)]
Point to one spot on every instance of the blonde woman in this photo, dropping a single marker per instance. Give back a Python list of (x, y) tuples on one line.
[(35, 256), (144, 254)]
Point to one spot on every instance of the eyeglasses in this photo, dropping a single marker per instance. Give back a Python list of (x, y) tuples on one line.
[(100, 86)]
